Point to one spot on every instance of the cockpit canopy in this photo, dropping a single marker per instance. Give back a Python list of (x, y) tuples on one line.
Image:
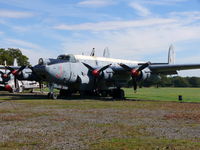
[(67, 58)]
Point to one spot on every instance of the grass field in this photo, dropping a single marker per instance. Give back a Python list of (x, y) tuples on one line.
[(164, 94), (33, 122)]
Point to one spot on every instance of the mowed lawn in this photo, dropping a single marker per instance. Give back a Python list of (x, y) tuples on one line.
[(164, 94)]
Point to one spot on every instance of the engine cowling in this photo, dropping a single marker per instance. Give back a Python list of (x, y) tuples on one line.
[(145, 74), (108, 74)]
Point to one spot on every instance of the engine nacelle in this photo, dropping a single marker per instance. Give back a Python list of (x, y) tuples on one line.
[(108, 74), (145, 74)]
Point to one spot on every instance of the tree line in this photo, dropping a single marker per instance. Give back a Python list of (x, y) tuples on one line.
[(171, 81)]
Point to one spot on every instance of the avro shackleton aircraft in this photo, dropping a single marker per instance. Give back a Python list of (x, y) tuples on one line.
[(96, 75)]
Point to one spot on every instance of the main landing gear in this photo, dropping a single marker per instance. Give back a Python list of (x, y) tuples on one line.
[(118, 94), (51, 94)]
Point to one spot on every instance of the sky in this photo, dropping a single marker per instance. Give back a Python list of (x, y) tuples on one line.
[(131, 29)]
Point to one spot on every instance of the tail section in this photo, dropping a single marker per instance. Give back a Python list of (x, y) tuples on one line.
[(106, 52), (171, 55), (15, 62)]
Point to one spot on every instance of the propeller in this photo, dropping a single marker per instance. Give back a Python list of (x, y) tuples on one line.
[(135, 73), (14, 72), (5, 77), (96, 72)]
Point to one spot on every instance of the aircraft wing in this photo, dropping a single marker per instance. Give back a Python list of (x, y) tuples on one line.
[(14, 67), (168, 69)]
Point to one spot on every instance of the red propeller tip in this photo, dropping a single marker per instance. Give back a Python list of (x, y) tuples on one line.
[(14, 72)]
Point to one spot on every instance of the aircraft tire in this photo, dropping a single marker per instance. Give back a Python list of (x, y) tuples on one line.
[(118, 94), (104, 93), (52, 95)]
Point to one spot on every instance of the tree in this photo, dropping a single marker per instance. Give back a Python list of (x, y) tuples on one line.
[(10, 54), (194, 81), (180, 82)]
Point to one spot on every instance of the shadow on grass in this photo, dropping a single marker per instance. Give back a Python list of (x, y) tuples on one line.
[(42, 96)]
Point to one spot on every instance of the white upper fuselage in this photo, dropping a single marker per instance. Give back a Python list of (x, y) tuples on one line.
[(105, 60)]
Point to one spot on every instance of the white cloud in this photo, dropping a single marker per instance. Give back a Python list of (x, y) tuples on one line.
[(15, 14), (163, 2), (22, 43), (190, 16), (141, 10), (95, 3), (115, 25), (134, 39)]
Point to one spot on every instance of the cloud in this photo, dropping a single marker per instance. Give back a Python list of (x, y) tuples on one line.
[(191, 15), (163, 2), (115, 25), (15, 14), (141, 10), (135, 39), (95, 3), (22, 43)]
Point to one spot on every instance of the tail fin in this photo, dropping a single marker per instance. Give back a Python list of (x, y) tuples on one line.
[(5, 63), (171, 55), (15, 62), (106, 52)]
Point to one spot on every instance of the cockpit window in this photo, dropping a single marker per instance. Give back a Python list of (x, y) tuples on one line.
[(68, 58)]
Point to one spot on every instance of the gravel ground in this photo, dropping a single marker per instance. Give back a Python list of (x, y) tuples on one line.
[(80, 124)]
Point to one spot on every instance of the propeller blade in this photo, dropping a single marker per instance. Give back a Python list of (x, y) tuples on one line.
[(15, 81), (97, 70), (9, 68), (105, 67), (143, 66), (134, 84), (13, 71), (1, 73), (88, 66), (125, 67), (21, 68)]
